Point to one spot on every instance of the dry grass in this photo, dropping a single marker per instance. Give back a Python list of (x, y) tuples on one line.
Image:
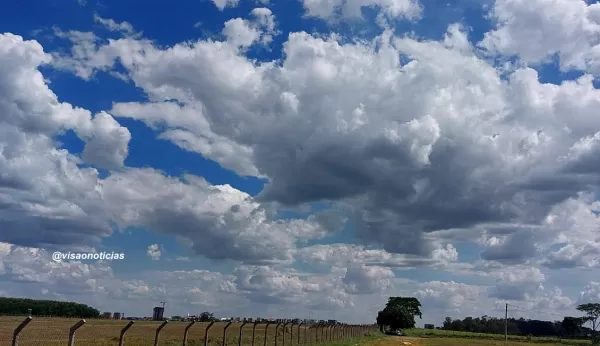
[(440, 333), (55, 331), (446, 341)]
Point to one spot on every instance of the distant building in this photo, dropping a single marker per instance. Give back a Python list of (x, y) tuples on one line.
[(332, 322), (159, 311), (117, 315), (107, 315), (429, 326)]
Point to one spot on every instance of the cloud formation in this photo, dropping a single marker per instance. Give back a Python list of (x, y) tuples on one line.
[(417, 148)]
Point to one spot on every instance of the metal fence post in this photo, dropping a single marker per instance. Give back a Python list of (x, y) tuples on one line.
[(17, 331), (284, 331), (225, 333), (276, 331), (299, 332), (266, 330), (186, 331), (323, 333), (254, 331), (158, 332), (206, 333), (306, 326), (241, 330), (123, 331), (72, 332)]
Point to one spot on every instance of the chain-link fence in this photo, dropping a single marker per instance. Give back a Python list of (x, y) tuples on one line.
[(60, 332)]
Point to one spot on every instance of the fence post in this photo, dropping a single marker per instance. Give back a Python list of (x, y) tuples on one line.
[(72, 332), (306, 326), (17, 331), (322, 333), (266, 330), (241, 330), (299, 332), (158, 332), (206, 333), (123, 331), (276, 331), (254, 331), (284, 331), (186, 331), (225, 333)]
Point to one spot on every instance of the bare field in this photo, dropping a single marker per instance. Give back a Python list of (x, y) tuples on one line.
[(55, 331)]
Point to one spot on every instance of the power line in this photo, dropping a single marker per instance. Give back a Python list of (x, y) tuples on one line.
[(536, 311)]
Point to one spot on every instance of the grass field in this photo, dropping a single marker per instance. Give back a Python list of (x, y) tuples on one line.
[(520, 340), (448, 341), (55, 331)]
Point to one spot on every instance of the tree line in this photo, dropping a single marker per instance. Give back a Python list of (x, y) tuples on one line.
[(568, 327), (520, 326), (400, 313), (21, 306)]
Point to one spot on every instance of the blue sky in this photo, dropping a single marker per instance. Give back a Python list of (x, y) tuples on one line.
[(440, 150)]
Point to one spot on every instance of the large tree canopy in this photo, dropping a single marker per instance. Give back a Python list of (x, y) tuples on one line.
[(399, 312), (592, 311)]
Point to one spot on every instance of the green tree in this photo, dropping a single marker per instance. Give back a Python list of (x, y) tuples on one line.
[(399, 312), (21, 306), (572, 325), (592, 311), (207, 317)]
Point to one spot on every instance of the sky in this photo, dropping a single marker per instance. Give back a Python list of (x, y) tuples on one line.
[(302, 158)]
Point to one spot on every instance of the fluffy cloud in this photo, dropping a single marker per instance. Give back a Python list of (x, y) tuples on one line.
[(339, 9), (222, 4), (154, 252), (45, 197), (381, 133), (539, 30), (590, 293), (218, 222), (450, 296), (384, 137)]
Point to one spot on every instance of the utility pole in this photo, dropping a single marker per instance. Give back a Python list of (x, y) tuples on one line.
[(506, 324)]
